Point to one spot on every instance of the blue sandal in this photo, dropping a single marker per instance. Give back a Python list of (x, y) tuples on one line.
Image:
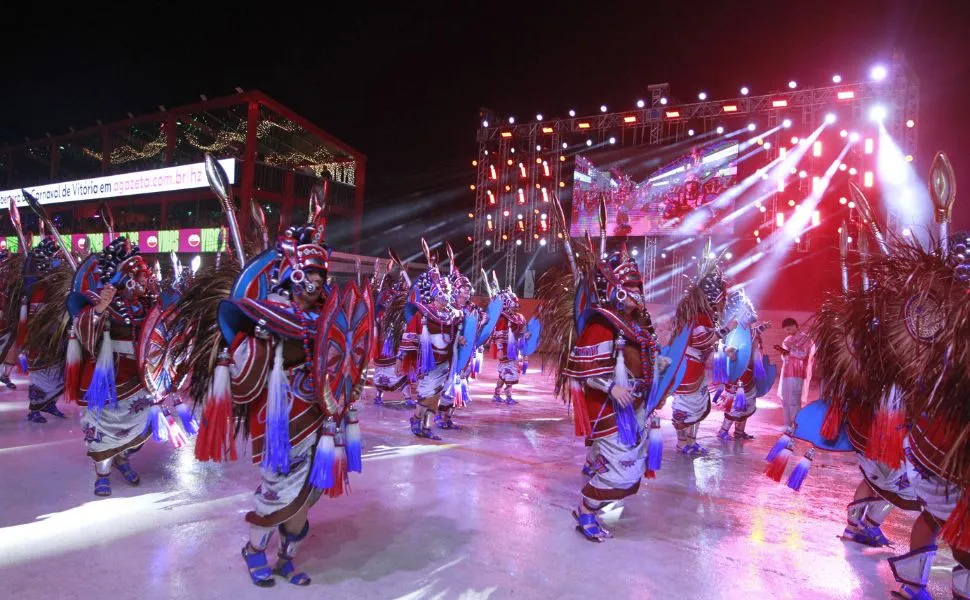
[(102, 485), (259, 570), (129, 474), (590, 527), (284, 566)]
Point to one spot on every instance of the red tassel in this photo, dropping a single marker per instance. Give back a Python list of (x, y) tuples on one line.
[(580, 414), (215, 440), (494, 349), (72, 370), (833, 420), (776, 468), (650, 474), (886, 436), (956, 530), (340, 484)]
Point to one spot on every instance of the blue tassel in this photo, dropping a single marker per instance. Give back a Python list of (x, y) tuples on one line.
[(655, 446), (525, 366), (759, 367), (511, 346), (276, 453), (355, 443), (464, 392), (388, 348), (189, 423), (740, 399), (780, 445), (321, 475), (800, 472), (719, 367), (101, 392), (627, 427), (427, 352), (159, 434), (22, 358)]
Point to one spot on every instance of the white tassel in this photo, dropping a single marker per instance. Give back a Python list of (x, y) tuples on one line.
[(620, 376)]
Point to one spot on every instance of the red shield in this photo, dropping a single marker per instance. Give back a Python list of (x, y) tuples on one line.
[(152, 351), (345, 333)]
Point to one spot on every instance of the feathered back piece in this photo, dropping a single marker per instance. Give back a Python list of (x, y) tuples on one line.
[(12, 278), (48, 327), (556, 292), (706, 294)]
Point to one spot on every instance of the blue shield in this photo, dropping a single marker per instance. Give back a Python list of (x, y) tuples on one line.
[(740, 338), (254, 280), (485, 329), (464, 352), (808, 427), (534, 328), (671, 378)]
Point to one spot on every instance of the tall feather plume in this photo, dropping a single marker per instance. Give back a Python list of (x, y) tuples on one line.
[(47, 328)]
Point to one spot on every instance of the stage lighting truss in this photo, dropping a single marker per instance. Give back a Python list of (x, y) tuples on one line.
[(544, 151)]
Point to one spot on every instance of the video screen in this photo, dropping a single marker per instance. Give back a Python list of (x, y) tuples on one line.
[(648, 194)]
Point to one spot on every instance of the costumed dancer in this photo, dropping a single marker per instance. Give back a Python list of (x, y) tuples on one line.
[(699, 312), (47, 281), (11, 286), (428, 345), (740, 396), (508, 336), (609, 361), (108, 321), (392, 294), (291, 358)]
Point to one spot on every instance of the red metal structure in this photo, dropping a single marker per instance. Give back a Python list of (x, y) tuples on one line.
[(281, 156)]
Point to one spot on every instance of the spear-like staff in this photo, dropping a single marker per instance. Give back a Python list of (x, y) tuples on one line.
[(220, 186)]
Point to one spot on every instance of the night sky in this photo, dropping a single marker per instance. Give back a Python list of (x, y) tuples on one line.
[(404, 84)]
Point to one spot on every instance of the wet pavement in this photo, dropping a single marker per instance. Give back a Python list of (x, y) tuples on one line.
[(485, 513)]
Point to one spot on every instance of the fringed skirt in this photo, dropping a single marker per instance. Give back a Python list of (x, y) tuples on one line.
[(691, 408), (280, 496), (617, 468), (45, 387), (116, 429), (508, 370)]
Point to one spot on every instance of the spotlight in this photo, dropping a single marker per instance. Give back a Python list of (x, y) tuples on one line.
[(877, 113), (909, 158), (538, 148), (910, 123), (634, 252), (843, 133), (542, 242), (842, 167), (565, 145), (851, 204), (518, 242), (853, 171), (702, 96), (690, 132), (830, 118), (589, 142), (663, 255), (767, 146), (539, 117), (842, 201), (719, 130), (786, 123), (663, 101), (853, 137), (836, 78), (602, 108), (488, 242), (907, 232), (612, 140), (744, 91), (728, 255), (878, 73), (792, 84), (511, 120), (803, 174), (794, 140), (640, 103), (751, 127), (572, 113), (484, 123)]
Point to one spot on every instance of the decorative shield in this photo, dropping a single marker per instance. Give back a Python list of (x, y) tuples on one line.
[(85, 280), (151, 351), (534, 328), (671, 378), (740, 338), (463, 353), (254, 281), (763, 386), (494, 312), (345, 333), (808, 427)]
